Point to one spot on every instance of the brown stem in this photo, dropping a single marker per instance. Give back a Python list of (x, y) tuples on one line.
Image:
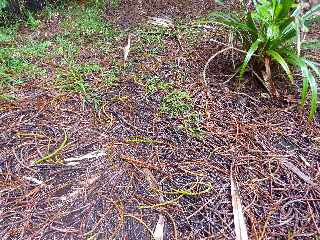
[(268, 78)]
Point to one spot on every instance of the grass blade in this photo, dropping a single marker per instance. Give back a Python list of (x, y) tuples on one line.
[(302, 64), (311, 44), (313, 66), (250, 52), (55, 152), (311, 13), (277, 57), (231, 20), (304, 91), (305, 72), (314, 89), (252, 25), (314, 97), (284, 10)]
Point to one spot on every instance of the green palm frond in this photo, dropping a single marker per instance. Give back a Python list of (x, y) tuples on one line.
[(278, 58), (250, 52), (273, 29)]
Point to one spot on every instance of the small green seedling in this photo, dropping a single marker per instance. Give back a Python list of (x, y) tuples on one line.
[(32, 22), (176, 103), (155, 84)]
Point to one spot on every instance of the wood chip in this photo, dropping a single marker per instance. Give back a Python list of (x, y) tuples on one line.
[(239, 219)]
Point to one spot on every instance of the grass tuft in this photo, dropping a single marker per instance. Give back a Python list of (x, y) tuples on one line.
[(176, 103)]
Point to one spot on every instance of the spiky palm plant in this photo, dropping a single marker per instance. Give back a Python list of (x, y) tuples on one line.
[(271, 32)]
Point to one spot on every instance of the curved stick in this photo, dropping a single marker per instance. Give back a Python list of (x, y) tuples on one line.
[(208, 62)]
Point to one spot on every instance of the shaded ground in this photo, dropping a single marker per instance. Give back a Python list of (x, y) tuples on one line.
[(132, 12), (153, 149)]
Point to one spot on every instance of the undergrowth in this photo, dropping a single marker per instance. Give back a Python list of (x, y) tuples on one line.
[(274, 32)]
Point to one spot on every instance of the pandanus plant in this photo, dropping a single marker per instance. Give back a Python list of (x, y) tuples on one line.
[(272, 33)]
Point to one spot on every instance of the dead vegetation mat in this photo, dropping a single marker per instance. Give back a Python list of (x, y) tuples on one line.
[(120, 168)]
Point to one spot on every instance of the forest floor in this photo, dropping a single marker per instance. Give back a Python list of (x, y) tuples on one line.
[(95, 147)]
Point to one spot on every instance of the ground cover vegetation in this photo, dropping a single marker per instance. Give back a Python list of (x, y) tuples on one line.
[(159, 120), (273, 30)]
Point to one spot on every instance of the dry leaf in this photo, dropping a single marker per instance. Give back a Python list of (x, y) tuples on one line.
[(164, 22), (34, 180), (126, 49), (159, 230), (239, 219), (298, 172), (75, 160)]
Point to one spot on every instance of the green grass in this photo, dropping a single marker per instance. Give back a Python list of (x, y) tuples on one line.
[(82, 29), (192, 124), (152, 35), (15, 71), (152, 39), (7, 97), (34, 49), (111, 76), (32, 22), (66, 49), (27, 50), (77, 79), (73, 78), (188, 32), (155, 84), (18, 62), (115, 3), (8, 33), (86, 23), (176, 103)]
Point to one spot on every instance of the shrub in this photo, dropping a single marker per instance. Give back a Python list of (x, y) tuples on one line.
[(271, 32)]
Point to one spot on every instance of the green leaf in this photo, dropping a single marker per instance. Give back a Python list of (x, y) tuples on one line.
[(283, 23), (221, 2), (277, 57), (3, 4), (274, 7), (314, 89), (252, 25), (273, 31), (289, 31), (304, 91), (312, 12), (314, 67), (283, 9), (278, 10), (250, 52), (302, 63), (314, 96), (311, 44), (299, 24), (231, 20)]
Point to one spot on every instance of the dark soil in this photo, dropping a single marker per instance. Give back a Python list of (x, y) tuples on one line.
[(131, 12)]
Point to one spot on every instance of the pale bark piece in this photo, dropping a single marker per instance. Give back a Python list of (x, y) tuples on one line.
[(298, 172), (239, 219)]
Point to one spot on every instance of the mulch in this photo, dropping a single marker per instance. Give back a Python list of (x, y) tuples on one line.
[(143, 164)]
